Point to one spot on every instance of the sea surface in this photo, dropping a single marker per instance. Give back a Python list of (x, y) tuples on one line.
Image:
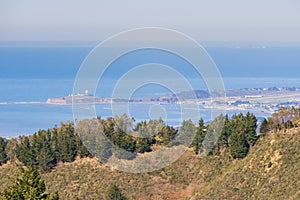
[(31, 75)]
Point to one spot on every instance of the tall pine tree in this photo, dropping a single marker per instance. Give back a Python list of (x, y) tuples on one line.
[(3, 155), (199, 136), (238, 143), (264, 127), (115, 193), (251, 126), (29, 185)]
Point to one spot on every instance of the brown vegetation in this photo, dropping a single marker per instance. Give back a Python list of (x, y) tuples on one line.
[(271, 170)]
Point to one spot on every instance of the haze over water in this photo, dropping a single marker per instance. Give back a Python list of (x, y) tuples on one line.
[(34, 74)]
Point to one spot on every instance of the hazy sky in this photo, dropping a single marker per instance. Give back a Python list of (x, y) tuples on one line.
[(235, 20)]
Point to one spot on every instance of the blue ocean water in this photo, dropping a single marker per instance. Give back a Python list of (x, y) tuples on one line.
[(31, 75)]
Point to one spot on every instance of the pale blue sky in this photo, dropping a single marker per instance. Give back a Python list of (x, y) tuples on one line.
[(214, 20)]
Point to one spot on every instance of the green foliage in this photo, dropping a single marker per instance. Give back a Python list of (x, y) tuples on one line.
[(208, 177), (237, 134), (45, 149), (115, 193), (213, 133), (225, 133), (81, 150), (167, 134), (270, 164), (199, 136), (238, 143), (25, 152), (250, 128), (44, 153), (186, 133), (264, 127), (10, 148), (92, 133), (143, 145), (3, 155), (28, 186), (66, 143), (102, 137)]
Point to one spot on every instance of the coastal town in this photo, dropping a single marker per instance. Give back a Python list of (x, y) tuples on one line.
[(265, 100)]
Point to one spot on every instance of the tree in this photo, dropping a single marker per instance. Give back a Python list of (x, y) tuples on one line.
[(94, 134), (225, 134), (115, 193), (168, 134), (142, 145), (199, 136), (81, 150), (186, 133), (66, 143), (144, 139), (54, 143), (3, 155), (264, 127), (238, 143), (29, 186), (251, 126), (10, 148), (25, 153), (45, 156), (213, 133)]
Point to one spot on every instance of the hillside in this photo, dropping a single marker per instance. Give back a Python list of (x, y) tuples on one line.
[(271, 170)]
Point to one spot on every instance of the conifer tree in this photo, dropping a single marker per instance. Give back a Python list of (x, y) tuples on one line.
[(115, 193), (225, 133), (10, 148), (45, 156), (213, 133), (142, 145), (251, 126), (25, 153), (264, 127), (186, 133), (54, 143), (66, 143), (238, 143), (29, 186), (199, 136), (81, 150), (3, 155), (168, 134)]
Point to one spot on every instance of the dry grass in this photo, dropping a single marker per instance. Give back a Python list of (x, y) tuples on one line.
[(270, 171)]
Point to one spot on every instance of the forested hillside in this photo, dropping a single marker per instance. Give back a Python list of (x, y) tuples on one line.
[(240, 165)]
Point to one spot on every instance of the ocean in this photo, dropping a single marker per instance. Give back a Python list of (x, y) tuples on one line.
[(31, 75)]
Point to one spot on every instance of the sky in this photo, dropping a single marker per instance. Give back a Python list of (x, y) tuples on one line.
[(206, 20)]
